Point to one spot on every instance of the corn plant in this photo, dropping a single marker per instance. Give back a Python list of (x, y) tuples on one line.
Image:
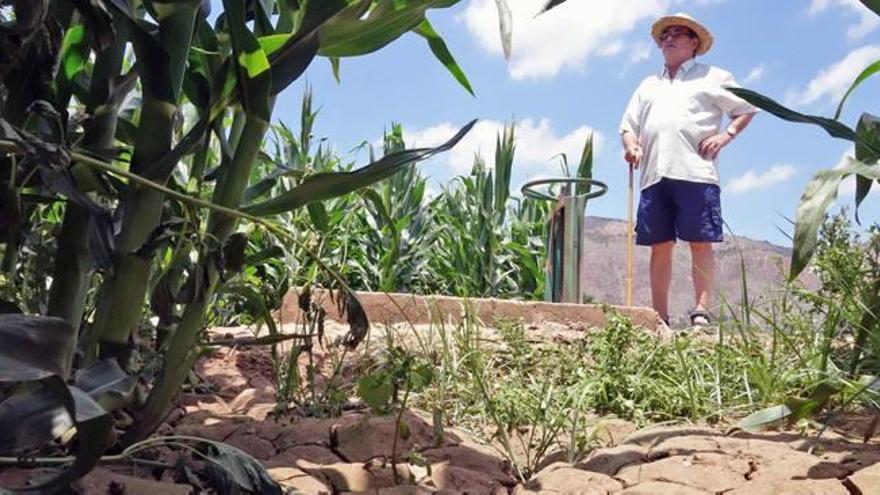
[(822, 190), (156, 155)]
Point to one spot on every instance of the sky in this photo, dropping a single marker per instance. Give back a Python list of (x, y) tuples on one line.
[(572, 72)]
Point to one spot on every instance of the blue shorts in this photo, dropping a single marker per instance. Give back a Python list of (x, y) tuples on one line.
[(670, 209)]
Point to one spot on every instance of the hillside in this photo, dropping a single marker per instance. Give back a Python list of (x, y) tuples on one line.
[(605, 272)]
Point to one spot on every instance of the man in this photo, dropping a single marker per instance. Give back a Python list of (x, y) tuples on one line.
[(672, 131)]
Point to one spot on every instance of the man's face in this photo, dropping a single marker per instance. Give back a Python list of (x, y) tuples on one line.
[(678, 44)]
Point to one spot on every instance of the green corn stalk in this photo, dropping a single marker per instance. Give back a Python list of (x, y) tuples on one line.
[(70, 277), (120, 304)]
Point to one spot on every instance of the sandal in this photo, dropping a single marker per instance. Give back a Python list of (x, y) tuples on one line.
[(700, 318)]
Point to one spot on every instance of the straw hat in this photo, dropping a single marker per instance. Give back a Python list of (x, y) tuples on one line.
[(682, 19)]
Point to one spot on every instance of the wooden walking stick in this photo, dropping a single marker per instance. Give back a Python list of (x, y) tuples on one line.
[(629, 240)]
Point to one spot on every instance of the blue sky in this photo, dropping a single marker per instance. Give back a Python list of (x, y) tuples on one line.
[(572, 72)]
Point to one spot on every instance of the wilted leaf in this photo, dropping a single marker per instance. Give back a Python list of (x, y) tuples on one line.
[(107, 384), (505, 27), (765, 417), (233, 253), (231, 472), (358, 324), (94, 433), (34, 347), (30, 419)]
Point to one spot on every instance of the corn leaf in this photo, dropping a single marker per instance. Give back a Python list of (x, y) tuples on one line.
[(818, 196), (441, 52), (868, 131), (253, 65), (765, 417), (74, 53), (831, 126), (874, 5), (551, 4), (107, 384), (232, 471), (349, 37), (94, 428), (868, 72), (34, 347), (327, 185)]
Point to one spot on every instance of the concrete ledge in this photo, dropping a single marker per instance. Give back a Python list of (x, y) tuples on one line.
[(392, 308)]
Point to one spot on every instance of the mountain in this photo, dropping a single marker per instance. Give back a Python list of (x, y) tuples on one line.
[(604, 277)]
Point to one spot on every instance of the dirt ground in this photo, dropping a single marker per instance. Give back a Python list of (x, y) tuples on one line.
[(349, 453)]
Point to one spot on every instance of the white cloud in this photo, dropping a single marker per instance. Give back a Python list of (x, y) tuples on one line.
[(755, 75), (752, 181), (563, 38), (639, 52), (867, 20), (833, 81), (537, 143)]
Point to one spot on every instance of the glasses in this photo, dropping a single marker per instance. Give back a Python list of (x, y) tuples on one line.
[(674, 34)]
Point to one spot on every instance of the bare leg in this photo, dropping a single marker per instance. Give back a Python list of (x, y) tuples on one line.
[(661, 276), (703, 272)]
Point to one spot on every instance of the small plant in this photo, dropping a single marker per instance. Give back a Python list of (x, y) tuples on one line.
[(399, 373)]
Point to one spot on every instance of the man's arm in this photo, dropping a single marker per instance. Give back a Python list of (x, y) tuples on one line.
[(711, 146), (740, 122), (632, 152)]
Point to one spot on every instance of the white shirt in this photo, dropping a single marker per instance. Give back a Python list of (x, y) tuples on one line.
[(670, 117)]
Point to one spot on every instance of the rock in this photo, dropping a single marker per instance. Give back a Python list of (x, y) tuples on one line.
[(867, 480), (397, 490), (217, 432), (794, 465), (311, 431), (293, 478), (12, 478), (311, 453), (252, 444), (610, 460), (663, 488), (561, 477), (345, 477), (654, 436), (794, 487), (473, 458), (373, 438), (271, 429), (613, 431), (219, 370), (453, 479), (102, 481), (706, 471)]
